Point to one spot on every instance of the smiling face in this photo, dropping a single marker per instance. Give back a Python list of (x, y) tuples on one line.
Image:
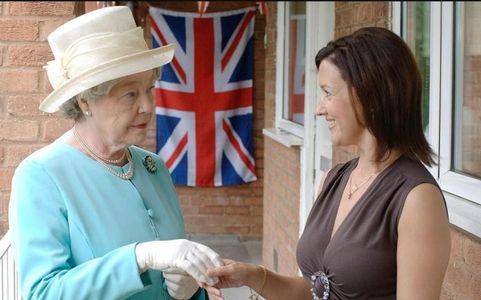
[(336, 106), (121, 117)]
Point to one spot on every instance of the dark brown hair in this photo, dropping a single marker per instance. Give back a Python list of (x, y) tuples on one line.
[(384, 79)]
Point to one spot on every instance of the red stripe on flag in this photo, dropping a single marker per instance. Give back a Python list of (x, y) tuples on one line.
[(237, 147), (175, 62), (238, 37), (204, 97), (177, 151)]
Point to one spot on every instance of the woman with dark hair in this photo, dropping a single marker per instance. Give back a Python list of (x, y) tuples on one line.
[(379, 227)]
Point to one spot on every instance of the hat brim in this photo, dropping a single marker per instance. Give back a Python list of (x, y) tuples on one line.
[(113, 69)]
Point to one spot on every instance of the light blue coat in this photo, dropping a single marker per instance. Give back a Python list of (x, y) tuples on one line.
[(75, 226)]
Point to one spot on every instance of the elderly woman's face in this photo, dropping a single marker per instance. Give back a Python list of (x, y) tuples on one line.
[(122, 116)]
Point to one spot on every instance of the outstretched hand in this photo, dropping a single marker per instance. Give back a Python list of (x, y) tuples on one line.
[(232, 274)]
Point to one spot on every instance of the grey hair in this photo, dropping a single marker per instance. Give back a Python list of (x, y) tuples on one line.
[(71, 110)]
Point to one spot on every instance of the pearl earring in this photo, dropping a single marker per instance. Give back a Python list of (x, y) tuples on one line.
[(88, 113)]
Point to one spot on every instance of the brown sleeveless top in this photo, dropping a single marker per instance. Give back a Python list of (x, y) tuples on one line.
[(360, 260)]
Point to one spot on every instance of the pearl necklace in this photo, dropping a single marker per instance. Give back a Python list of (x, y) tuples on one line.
[(103, 161), (357, 186)]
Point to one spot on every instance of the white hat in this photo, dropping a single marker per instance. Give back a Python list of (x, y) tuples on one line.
[(96, 47)]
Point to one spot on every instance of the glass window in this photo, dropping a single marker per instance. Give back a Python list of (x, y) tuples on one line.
[(467, 100), (294, 73), (416, 32), (451, 29)]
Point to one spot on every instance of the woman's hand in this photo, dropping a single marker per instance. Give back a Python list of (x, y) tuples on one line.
[(232, 274)]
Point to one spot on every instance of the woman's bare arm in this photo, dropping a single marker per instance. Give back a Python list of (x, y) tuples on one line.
[(423, 245)]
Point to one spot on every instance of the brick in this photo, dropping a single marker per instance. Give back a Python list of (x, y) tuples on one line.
[(189, 209), (3, 105), (214, 209), (24, 105), (3, 225), (48, 26), (458, 277), (237, 229), (41, 8), (256, 230), (472, 253), (19, 81), (1, 55), (14, 154), (237, 210), (447, 294), (198, 220), (32, 55), (364, 13), (53, 128), (4, 200), (457, 245), (21, 130), (256, 211), (6, 179), (44, 83), (475, 287), (91, 6), (380, 9), (18, 30)]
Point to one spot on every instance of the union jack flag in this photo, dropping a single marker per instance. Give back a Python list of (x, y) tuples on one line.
[(204, 97)]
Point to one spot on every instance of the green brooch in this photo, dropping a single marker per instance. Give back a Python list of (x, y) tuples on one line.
[(149, 164)]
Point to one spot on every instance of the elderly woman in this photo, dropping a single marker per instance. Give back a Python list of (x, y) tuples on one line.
[(92, 215)]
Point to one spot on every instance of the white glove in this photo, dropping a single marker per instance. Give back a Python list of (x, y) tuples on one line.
[(192, 257), (180, 285)]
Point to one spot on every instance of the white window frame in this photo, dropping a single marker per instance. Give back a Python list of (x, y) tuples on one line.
[(282, 69), (320, 30), (462, 193)]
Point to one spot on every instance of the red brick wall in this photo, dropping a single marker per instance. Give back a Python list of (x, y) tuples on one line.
[(24, 27), (463, 278), (281, 207), (226, 210)]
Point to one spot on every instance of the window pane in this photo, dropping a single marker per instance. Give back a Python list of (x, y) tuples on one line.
[(416, 33), (467, 104), (296, 49)]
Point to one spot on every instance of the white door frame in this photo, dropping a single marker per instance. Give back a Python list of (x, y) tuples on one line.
[(320, 30)]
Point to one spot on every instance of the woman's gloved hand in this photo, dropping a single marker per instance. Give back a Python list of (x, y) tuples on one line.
[(180, 285), (191, 257)]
